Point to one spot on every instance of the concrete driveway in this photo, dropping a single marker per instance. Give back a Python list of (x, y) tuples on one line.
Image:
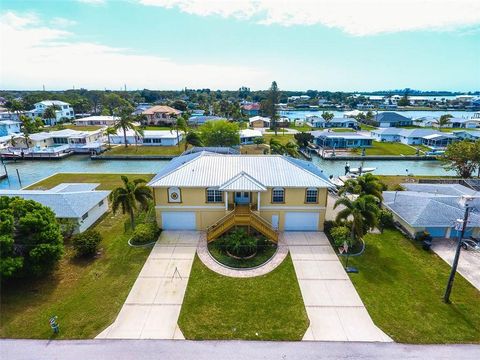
[(334, 307), (469, 263), (152, 308)]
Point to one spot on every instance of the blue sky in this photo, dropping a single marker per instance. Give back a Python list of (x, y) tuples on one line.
[(303, 44)]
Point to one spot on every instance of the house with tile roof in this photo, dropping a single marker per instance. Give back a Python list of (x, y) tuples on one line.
[(433, 208), (161, 115), (214, 192), (80, 202)]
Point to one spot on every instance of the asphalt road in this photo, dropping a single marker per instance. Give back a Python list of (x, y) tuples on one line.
[(225, 350)]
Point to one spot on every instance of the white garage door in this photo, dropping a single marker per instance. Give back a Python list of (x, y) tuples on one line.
[(300, 221), (178, 220)]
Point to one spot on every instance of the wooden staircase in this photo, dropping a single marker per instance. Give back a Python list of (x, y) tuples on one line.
[(241, 216)]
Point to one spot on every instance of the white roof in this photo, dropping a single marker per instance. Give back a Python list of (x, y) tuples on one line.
[(212, 170), (164, 134), (256, 118), (98, 118), (242, 182), (9, 122), (250, 133), (65, 200), (52, 102)]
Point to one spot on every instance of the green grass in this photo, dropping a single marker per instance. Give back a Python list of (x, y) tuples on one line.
[(262, 256), (342, 130), (367, 127), (219, 307), (86, 295), (152, 127), (282, 138), (302, 128), (402, 287), (392, 180), (75, 127), (388, 148), (107, 181), (146, 150)]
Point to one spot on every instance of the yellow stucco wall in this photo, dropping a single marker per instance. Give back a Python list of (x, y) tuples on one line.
[(194, 200)]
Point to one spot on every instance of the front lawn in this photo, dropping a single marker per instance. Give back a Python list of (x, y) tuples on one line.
[(388, 148), (402, 287), (146, 150), (107, 181), (86, 295), (392, 180), (153, 127), (281, 138), (342, 130), (268, 307)]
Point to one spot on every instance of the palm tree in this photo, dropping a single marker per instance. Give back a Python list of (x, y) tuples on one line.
[(110, 131), (363, 212), (367, 184), (193, 138), (327, 116), (126, 122), (50, 113), (181, 124), (291, 149), (128, 195), (444, 120)]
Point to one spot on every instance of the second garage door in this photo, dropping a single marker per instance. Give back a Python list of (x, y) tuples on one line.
[(301, 221), (178, 220)]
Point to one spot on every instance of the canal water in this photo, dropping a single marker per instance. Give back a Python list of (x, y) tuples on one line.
[(32, 171)]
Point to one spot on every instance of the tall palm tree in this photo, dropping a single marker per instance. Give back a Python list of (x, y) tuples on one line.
[(367, 184), (50, 113), (362, 211), (127, 121), (129, 195), (110, 131), (327, 116)]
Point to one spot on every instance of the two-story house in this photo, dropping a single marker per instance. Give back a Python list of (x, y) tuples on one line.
[(215, 192), (161, 115), (63, 111), (8, 127)]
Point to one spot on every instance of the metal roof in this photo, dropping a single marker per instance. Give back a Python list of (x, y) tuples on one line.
[(250, 133), (210, 170), (341, 135), (74, 187), (242, 182), (390, 116), (64, 204), (444, 189)]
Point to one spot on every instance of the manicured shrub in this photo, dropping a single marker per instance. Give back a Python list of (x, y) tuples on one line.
[(385, 220), (145, 233), (30, 240), (341, 235), (239, 243), (86, 243), (328, 225)]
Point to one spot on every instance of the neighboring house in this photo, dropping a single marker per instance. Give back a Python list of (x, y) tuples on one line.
[(79, 202), (206, 191), (97, 120), (439, 141), (341, 140), (200, 120), (64, 111), (392, 119), (426, 121), (319, 122), (247, 136), (467, 135), (259, 122), (251, 109), (141, 107), (14, 116), (405, 136), (8, 127), (433, 208), (161, 115), (149, 137), (463, 123)]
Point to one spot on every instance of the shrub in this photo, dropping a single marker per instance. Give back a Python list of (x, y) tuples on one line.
[(423, 236), (328, 225), (30, 240), (239, 243), (398, 187), (86, 244), (67, 227), (341, 235), (385, 220), (145, 233)]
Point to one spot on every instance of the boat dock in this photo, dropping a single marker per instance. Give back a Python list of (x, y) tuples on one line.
[(35, 156)]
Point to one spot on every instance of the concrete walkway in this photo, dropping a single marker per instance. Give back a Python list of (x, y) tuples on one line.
[(226, 350), (152, 308), (213, 265), (469, 263), (334, 307)]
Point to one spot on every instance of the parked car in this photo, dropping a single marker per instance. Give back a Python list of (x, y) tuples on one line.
[(471, 244)]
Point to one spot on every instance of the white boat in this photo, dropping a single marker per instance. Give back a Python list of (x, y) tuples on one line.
[(364, 170)]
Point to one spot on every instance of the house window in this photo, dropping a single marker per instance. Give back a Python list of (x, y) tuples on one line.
[(84, 216), (100, 203), (278, 195), (311, 196), (214, 195), (147, 141)]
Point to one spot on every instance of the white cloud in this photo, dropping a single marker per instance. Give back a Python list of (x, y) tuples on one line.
[(92, 2), (355, 17), (62, 22), (33, 54)]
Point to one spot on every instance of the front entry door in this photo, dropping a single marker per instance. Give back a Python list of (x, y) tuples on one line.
[(242, 197)]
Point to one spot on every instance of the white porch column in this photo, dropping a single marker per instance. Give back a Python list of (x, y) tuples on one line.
[(226, 200), (258, 201)]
